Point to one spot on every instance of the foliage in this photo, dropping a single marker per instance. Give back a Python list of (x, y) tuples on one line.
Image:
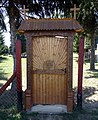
[(87, 44), (76, 43), (11, 114), (3, 47), (23, 41), (37, 8), (2, 23), (88, 15), (51, 8)]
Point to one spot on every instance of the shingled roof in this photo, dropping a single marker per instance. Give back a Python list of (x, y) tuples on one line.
[(50, 24)]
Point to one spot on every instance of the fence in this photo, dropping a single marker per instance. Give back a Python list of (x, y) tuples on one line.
[(12, 96), (8, 96)]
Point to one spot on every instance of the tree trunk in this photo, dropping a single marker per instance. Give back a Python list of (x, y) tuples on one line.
[(92, 57), (12, 23)]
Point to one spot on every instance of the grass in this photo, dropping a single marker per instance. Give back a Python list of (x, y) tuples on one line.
[(90, 89), (6, 69), (87, 74)]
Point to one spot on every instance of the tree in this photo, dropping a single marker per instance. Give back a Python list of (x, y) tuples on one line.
[(88, 17), (37, 8), (53, 8), (76, 43), (3, 47), (2, 23), (1, 43)]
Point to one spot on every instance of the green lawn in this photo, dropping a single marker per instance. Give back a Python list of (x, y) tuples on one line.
[(6, 69)]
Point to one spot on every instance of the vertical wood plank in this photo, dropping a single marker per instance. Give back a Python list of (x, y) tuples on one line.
[(70, 62), (18, 66), (49, 86), (53, 88), (29, 50), (43, 89), (41, 86)]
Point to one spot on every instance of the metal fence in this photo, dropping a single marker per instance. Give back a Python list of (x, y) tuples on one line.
[(8, 98)]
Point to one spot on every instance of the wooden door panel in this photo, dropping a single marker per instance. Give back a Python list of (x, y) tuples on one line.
[(49, 51), (49, 89), (49, 70)]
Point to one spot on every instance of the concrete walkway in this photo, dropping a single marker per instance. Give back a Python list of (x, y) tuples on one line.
[(49, 109)]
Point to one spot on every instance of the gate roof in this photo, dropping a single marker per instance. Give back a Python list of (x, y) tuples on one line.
[(50, 24)]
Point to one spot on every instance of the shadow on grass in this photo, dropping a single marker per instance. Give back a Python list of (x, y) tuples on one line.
[(1, 84), (92, 74), (86, 61), (2, 58), (89, 98), (3, 77)]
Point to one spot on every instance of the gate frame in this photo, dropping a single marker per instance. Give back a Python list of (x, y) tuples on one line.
[(69, 70), (50, 27)]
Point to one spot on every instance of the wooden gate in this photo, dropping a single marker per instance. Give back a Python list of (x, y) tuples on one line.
[(49, 83)]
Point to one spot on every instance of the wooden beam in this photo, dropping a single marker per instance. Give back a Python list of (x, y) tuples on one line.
[(18, 75), (18, 65), (80, 72), (3, 88)]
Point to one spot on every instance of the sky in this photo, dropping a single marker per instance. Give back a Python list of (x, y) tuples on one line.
[(7, 34), (7, 38)]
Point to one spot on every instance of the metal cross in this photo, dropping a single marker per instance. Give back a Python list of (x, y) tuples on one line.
[(75, 9), (24, 10)]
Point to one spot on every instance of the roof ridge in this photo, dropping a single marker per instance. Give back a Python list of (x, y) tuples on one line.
[(50, 19)]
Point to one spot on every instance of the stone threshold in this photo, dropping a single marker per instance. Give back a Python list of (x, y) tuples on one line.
[(48, 109)]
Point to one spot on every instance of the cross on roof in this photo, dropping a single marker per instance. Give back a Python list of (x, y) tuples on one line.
[(75, 9), (24, 10)]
